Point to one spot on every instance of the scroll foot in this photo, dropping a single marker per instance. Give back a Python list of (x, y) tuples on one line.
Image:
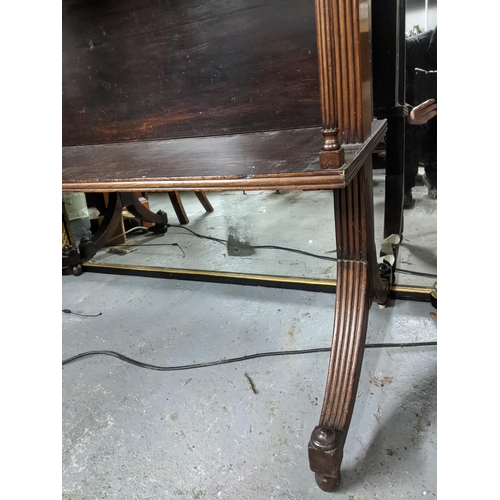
[(325, 456), (327, 484)]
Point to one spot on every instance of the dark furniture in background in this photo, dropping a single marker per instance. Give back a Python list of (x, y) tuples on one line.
[(213, 95), (389, 101)]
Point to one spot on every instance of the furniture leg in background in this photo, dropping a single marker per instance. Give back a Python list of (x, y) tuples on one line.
[(175, 199), (112, 217), (394, 176), (388, 55)]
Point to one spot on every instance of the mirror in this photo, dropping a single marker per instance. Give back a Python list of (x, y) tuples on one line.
[(285, 236)]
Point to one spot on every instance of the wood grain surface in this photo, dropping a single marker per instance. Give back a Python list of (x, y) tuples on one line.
[(138, 70)]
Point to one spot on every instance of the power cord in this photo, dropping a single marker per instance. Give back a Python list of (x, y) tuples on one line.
[(275, 247), (234, 360), (416, 273), (68, 311), (225, 242), (258, 247)]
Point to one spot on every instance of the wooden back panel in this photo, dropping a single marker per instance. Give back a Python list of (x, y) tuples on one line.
[(136, 70)]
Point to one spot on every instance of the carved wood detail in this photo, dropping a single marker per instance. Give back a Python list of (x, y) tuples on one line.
[(343, 39), (357, 283)]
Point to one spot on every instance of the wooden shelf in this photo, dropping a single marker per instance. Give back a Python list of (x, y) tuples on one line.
[(286, 159)]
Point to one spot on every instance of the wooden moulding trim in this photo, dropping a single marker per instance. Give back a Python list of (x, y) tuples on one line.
[(312, 182), (371, 143)]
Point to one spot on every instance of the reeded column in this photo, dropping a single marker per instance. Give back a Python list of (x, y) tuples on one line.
[(343, 39), (332, 154)]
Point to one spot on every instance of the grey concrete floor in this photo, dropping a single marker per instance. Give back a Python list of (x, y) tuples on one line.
[(134, 433)]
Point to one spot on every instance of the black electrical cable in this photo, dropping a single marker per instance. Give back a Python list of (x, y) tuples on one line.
[(416, 273), (275, 247), (68, 311), (268, 247), (155, 245), (218, 240), (233, 360), (257, 247)]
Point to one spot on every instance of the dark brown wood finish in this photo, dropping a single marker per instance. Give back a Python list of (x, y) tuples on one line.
[(269, 160), (143, 70), (358, 280), (389, 54), (233, 95), (177, 205), (205, 202), (343, 38), (332, 154), (175, 199)]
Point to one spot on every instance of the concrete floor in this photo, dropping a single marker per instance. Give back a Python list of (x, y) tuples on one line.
[(134, 433)]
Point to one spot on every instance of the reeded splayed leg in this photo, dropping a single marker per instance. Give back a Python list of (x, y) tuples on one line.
[(357, 282)]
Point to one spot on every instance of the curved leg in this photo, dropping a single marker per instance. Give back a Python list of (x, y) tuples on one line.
[(88, 248), (175, 199), (357, 283), (135, 207), (202, 197)]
